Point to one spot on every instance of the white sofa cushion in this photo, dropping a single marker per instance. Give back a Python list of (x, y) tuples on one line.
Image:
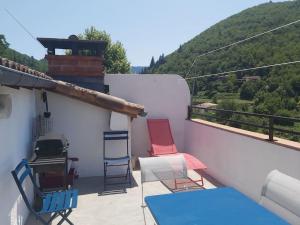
[(281, 195)]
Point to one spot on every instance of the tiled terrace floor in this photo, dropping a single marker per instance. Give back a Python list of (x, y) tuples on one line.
[(117, 207)]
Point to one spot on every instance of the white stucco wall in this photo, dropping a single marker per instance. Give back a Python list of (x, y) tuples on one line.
[(164, 96), (239, 161), (83, 125), (16, 144)]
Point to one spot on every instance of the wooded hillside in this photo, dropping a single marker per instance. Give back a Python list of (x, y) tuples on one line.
[(6, 52), (274, 90)]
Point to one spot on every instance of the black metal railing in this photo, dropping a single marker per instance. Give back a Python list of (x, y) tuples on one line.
[(268, 126)]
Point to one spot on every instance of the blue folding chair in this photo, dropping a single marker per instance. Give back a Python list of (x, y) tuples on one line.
[(58, 203), (123, 158)]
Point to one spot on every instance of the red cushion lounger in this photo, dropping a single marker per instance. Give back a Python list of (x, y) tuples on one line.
[(162, 144)]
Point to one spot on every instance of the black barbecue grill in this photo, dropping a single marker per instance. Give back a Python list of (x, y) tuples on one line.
[(49, 147), (50, 157)]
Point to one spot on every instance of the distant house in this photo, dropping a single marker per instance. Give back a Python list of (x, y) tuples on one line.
[(249, 78), (207, 105)]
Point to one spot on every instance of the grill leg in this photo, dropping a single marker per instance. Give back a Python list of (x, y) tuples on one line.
[(129, 173), (105, 171)]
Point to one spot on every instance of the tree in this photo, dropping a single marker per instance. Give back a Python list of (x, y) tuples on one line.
[(152, 63), (296, 84), (115, 60), (268, 103), (3, 44), (227, 105), (230, 84), (180, 49), (161, 60), (6, 52), (249, 89)]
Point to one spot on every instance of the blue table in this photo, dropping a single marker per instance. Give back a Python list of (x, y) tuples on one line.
[(209, 207)]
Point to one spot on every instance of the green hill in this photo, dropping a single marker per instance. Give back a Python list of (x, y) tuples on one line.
[(275, 47), (11, 54), (275, 91), (280, 46)]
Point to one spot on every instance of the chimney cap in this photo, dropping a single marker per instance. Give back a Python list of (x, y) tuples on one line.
[(71, 43)]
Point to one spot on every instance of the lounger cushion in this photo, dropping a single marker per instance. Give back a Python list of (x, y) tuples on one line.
[(192, 162), (162, 143)]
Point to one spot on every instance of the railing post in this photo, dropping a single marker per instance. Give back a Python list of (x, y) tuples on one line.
[(189, 113), (271, 128)]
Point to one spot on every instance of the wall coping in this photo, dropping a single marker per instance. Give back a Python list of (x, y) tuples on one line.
[(258, 136)]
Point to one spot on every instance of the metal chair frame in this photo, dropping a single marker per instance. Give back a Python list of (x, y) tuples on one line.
[(58, 203), (111, 136)]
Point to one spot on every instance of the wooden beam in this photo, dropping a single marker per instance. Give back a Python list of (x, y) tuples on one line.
[(98, 99)]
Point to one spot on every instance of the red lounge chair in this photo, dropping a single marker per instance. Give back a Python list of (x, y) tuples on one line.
[(162, 144)]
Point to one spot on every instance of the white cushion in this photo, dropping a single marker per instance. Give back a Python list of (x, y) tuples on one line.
[(281, 195), (163, 168)]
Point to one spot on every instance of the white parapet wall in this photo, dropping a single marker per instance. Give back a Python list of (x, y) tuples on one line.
[(16, 144), (239, 160), (163, 96)]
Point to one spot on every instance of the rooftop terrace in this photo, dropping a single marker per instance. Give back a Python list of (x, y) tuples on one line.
[(234, 157), (119, 205)]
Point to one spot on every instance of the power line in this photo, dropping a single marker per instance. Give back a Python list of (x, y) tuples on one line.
[(243, 70), (239, 42), (20, 24)]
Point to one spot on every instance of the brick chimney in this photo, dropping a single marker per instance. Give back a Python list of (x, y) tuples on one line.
[(84, 66)]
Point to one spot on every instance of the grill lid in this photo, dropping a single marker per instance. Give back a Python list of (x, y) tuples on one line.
[(50, 145)]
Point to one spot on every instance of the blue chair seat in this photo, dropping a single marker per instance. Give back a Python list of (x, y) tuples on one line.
[(59, 201), (117, 161)]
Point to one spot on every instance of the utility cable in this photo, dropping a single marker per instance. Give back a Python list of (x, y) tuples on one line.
[(243, 70), (21, 25), (239, 42)]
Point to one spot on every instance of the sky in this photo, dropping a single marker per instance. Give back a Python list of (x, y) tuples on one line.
[(146, 28)]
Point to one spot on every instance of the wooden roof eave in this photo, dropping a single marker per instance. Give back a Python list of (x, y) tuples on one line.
[(98, 99), (15, 75)]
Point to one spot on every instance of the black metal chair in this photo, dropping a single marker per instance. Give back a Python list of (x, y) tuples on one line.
[(123, 158), (59, 203)]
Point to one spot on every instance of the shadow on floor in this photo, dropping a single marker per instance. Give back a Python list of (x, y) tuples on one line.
[(192, 183), (91, 185), (181, 185), (209, 178)]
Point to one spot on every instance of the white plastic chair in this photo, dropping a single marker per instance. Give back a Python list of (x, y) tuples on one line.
[(162, 168), (281, 195)]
